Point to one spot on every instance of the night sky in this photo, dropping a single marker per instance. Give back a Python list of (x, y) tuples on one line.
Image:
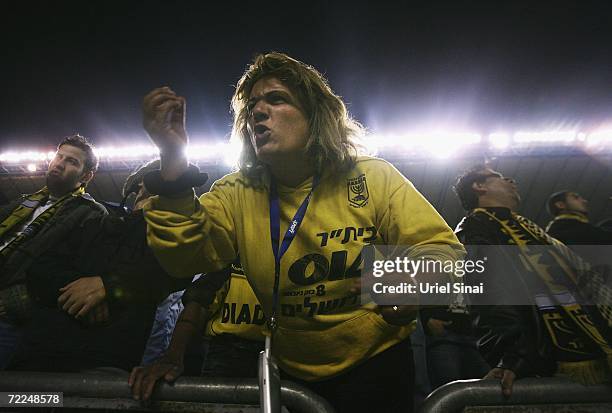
[(482, 66)]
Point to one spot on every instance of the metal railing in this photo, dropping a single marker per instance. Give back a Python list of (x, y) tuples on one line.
[(99, 391), (454, 397)]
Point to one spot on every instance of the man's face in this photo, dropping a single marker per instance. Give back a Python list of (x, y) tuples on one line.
[(574, 202), (67, 170), (495, 184), (277, 125)]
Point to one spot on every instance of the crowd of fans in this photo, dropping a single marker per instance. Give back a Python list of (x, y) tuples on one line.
[(89, 286)]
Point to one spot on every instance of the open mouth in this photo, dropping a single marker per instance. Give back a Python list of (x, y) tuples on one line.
[(262, 134)]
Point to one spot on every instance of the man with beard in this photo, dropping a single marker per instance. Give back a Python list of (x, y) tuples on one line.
[(40, 239)]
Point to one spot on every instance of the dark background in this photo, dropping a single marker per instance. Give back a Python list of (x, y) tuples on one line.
[(483, 66)]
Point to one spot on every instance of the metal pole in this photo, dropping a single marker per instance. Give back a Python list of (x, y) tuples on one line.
[(454, 397), (188, 389), (269, 381)]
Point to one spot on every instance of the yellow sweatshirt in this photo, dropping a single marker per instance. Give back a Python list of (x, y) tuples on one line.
[(236, 310), (323, 328)]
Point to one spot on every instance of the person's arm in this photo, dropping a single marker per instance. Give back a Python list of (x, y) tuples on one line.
[(197, 299), (411, 224), (164, 114), (170, 366), (187, 236), (190, 237)]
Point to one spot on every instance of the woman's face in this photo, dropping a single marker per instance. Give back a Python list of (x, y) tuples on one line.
[(277, 125)]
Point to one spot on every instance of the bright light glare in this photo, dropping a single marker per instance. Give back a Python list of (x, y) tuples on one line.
[(445, 144), (31, 167), (127, 152), (439, 144), (231, 153), (16, 157), (200, 152), (499, 140), (376, 144), (228, 152), (546, 136), (601, 137)]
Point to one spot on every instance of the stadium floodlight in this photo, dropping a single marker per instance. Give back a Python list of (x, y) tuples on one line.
[(17, 157), (444, 144), (500, 140), (440, 144), (545, 137), (231, 153), (207, 152), (201, 152), (127, 152), (375, 144), (371, 144), (600, 137)]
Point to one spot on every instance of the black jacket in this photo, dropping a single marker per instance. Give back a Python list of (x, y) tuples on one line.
[(58, 251), (135, 283), (572, 231), (510, 336)]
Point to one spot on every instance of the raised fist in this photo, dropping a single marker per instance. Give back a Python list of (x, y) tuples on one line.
[(164, 119)]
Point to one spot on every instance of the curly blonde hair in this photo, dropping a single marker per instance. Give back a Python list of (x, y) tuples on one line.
[(333, 133)]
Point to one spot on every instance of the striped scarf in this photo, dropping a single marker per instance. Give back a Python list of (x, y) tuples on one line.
[(558, 295), (24, 211)]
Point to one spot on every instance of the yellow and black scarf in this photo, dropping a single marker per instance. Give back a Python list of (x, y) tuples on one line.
[(25, 210), (570, 215), (575, 330)]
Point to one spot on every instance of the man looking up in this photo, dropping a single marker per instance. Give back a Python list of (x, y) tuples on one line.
[(525, 328), (570, 223), (39, 235)]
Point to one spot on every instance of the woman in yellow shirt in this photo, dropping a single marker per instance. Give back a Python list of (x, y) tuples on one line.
[(300, 210)]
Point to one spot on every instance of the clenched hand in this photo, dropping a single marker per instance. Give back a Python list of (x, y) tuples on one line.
[(164, 119)]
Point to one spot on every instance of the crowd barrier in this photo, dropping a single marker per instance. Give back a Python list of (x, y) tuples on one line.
[(111, 392), (456, 396)]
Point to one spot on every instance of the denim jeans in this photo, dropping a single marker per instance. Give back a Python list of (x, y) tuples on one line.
[(453, 357)]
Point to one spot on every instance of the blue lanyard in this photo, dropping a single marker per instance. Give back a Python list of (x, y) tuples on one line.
[(292, 231)]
